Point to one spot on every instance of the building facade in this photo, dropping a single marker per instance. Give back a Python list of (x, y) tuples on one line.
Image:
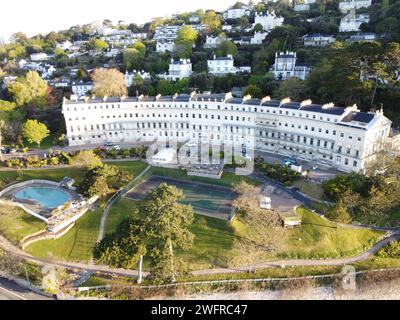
[(352, 21), (220, 66), (81, 89), (346, 6), (165, 46), (342, 138), (317, 40), (269, 20), (286, 67), (236, 13), (178, 70)]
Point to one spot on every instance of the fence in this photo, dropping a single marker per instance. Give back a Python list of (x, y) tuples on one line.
[(231, 281)]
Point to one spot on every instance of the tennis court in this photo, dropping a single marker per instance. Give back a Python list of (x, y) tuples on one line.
[(206, 199)]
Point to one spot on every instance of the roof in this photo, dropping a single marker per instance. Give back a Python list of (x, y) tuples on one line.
[(211, 97), (359, 117), (338, 111), (272, 103), (220, 97), (315, 35)]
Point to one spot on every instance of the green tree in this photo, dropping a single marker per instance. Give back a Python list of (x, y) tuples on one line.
[(227, 47), (35, 131), (134, 56), (167, 224), (157, 228), (258, 28), (125, 247), (98, 45), (339, 213), (253, 91), (30, 90), (6, 108), (109, 82), (212, 20), (293, 88), (185, 41), (86, 159)]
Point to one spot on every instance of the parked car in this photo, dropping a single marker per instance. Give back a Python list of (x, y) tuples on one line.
[(109, 146), (8, 150), (289, 161)]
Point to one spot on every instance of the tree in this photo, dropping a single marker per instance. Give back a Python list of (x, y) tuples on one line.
[(293, 88), (265, 233), (185, 41), (109, 82), (258, 28), (253, 91), (134, 55), (156, 228), (227, 47), (5, 108), (167, 224), (35, 131), (30, 90), (59, 53), (212, 20), (339, 213), (87, 159), (125, 247), (98, 45)]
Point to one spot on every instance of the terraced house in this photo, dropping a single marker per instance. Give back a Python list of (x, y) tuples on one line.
[(343, 138)]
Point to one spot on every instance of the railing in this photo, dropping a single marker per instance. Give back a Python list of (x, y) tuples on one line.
[(234, 281)]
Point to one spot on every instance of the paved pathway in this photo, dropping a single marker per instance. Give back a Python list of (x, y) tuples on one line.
[(6, 245), (11, 290), (116, 197)]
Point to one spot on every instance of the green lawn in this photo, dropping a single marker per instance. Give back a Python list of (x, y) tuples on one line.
[(48, 143), (311, 189), (213, 237), (228, 179), (318, 238), (53, 174), (76, 245), (133, 167), (118, 213), (57, 174), (15, 224), (212, 244)]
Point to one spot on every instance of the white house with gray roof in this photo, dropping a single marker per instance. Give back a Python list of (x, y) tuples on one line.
[(178, 70), (342, 138), (286, 67)]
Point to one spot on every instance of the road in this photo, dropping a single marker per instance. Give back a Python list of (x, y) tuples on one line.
[(10, 290)]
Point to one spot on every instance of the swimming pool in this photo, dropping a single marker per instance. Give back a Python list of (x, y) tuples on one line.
[(47, 197)]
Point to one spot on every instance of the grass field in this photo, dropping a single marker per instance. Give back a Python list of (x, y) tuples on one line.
[(228, 179), (57, 174), (15, 224), (311, 189), (133, 167), (318, 238), (52, 174), (213, 237), (76, 245), (206, 199)]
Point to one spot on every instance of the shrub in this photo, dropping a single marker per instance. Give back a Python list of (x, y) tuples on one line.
[(390, 251), (54, 161)]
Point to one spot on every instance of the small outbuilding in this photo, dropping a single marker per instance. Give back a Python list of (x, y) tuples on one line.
[(266, 203)]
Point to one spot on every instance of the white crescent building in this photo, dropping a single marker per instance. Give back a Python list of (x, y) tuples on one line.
[(343, 138)]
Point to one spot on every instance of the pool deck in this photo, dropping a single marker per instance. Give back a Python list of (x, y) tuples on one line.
[(9, 195)]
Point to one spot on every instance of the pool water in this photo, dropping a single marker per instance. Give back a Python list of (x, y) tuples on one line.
[(49, 198)]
